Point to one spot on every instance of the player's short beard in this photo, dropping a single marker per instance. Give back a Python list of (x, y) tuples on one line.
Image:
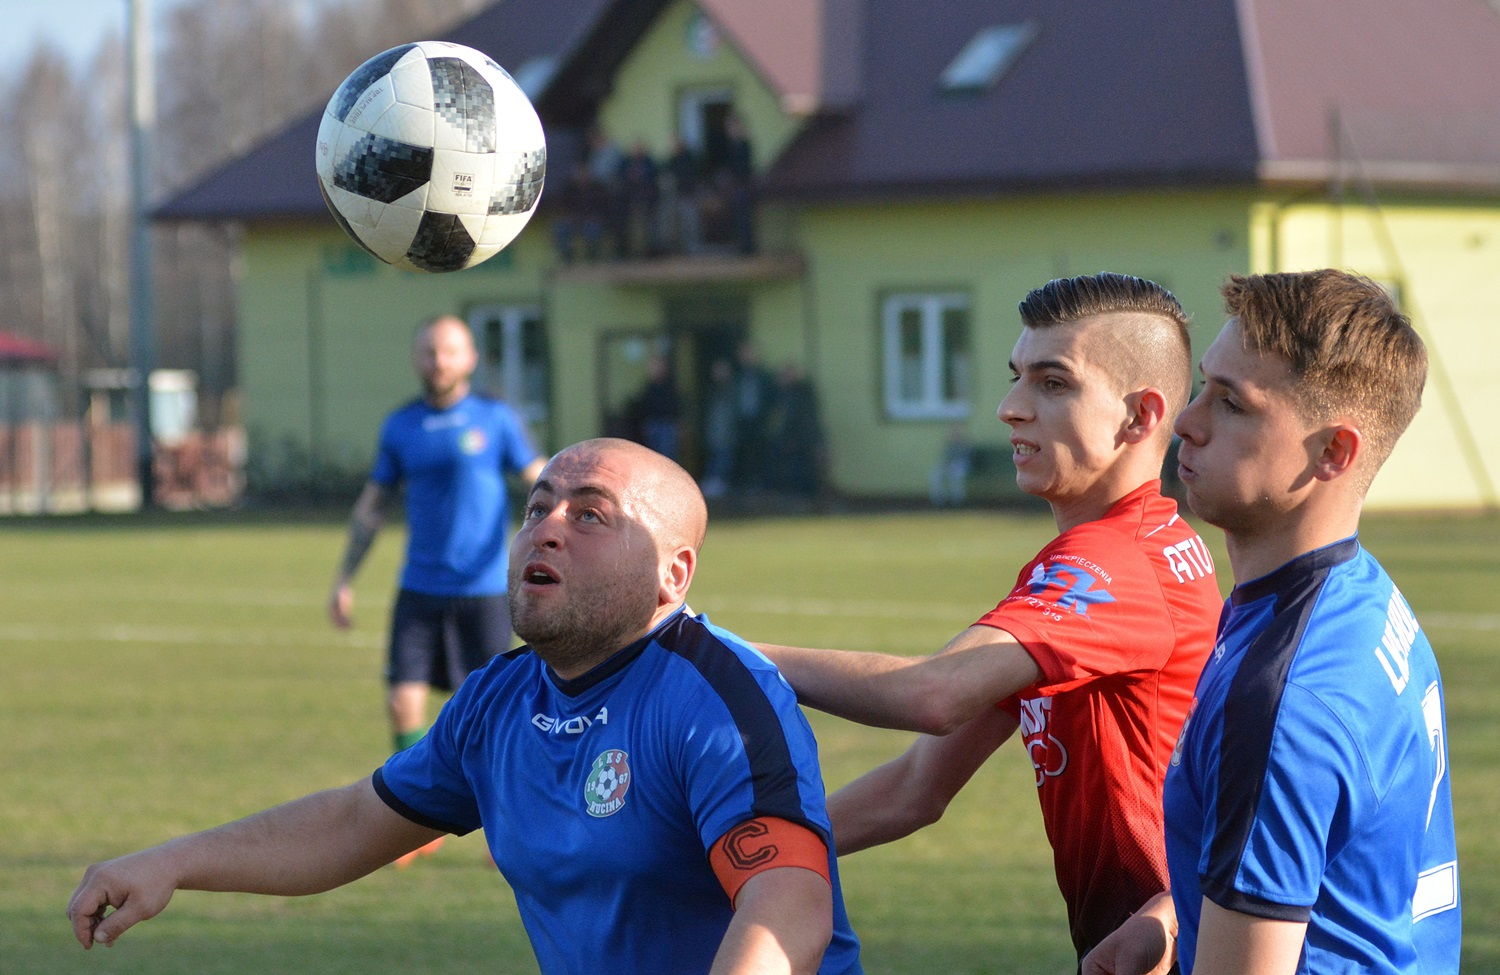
[(434, 388), (582, 633)]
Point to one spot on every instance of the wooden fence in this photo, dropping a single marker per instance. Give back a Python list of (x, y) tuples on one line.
[(71, 467)]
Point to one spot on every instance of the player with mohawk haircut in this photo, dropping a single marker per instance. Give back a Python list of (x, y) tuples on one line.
[(1092, 654)]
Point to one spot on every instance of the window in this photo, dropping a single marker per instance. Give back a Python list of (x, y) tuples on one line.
[(928, 356), (987, 56), (513, 357), (533, 76)]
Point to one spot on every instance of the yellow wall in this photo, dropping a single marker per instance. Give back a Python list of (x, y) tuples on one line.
[(1445, 260)]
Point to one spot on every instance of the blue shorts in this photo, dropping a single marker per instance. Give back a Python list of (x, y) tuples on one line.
[(439, 640)]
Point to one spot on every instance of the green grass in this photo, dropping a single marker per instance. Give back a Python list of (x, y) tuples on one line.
[(165, 674)]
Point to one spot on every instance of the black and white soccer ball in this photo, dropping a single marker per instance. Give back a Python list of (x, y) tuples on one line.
[(431, 157)]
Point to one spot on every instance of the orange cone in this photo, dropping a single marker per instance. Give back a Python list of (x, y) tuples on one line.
[(425, 850)]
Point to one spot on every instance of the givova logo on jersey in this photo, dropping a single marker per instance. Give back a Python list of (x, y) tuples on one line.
[(609, 779)]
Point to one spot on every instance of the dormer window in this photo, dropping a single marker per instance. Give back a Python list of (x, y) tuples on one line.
[(987, 56)]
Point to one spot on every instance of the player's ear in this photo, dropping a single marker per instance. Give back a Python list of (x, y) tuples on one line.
[(1341, 444), (1147, 411), (677, 576)]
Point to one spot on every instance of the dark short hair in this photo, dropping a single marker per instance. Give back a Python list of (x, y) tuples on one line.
[(1065, 300), (1069, 299), (1349, 347)]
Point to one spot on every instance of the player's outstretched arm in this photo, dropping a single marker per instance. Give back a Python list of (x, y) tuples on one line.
[(934, 695), (783, 921), (305, 846), (364, 525), (913, 791), (1146, 944)]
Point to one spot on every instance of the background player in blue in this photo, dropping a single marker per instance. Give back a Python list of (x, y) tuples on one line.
[(644, 779), (451, 449), (1308, 810)]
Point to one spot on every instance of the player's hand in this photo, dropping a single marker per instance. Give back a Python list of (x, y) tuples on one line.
[(341, 606), (1140, 946), (137, 887)]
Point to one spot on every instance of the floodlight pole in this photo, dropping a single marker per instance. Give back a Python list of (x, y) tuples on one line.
[(142, 97)]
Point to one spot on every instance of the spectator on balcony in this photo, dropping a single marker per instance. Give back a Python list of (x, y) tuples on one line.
[(583, 205), (737, 177), (604, 161), (681, 203), (640, 195)]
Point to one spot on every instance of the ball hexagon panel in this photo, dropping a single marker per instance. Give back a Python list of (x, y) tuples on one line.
[(406, 123), (413, 83), (377, 67), (461, 182)]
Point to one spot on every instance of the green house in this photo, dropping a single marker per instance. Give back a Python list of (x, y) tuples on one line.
[(917, 169)]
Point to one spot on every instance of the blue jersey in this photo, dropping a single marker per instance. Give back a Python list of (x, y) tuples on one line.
[(454, 463), (601, 796), (1311, 779)]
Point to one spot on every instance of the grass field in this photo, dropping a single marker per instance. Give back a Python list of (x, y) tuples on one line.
[(161, 675)]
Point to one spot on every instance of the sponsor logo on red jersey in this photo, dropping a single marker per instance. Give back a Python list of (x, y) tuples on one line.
[(1068, 585), (1049, 757)]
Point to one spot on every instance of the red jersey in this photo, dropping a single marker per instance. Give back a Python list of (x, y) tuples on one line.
[(1119, 614)]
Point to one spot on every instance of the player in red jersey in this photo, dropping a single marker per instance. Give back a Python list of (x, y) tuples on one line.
[(1095, 651)]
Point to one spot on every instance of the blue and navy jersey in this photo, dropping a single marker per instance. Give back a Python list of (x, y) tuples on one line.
[(601, 796), (454, 463), (1311, 779)]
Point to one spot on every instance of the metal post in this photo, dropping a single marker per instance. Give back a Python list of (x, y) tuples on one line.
[(142, 95)]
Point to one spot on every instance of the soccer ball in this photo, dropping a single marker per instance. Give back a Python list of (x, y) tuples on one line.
[(431, 157)]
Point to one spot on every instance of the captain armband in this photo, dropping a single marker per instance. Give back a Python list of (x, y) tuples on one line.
[(766, 843)]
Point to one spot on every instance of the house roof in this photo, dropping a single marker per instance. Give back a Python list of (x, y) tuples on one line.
[(1414, 87), (1102, 93), (1099, 95)]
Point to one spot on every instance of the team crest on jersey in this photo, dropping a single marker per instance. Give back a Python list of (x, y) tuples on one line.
[(472, 442), (1070, 586), (608, 781), (1182, 734)]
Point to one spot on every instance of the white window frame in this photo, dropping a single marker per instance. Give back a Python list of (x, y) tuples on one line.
[(511, 373), (930, 402)]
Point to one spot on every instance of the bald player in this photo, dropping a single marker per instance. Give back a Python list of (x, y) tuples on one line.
[(644, 779), (1094, 652)]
